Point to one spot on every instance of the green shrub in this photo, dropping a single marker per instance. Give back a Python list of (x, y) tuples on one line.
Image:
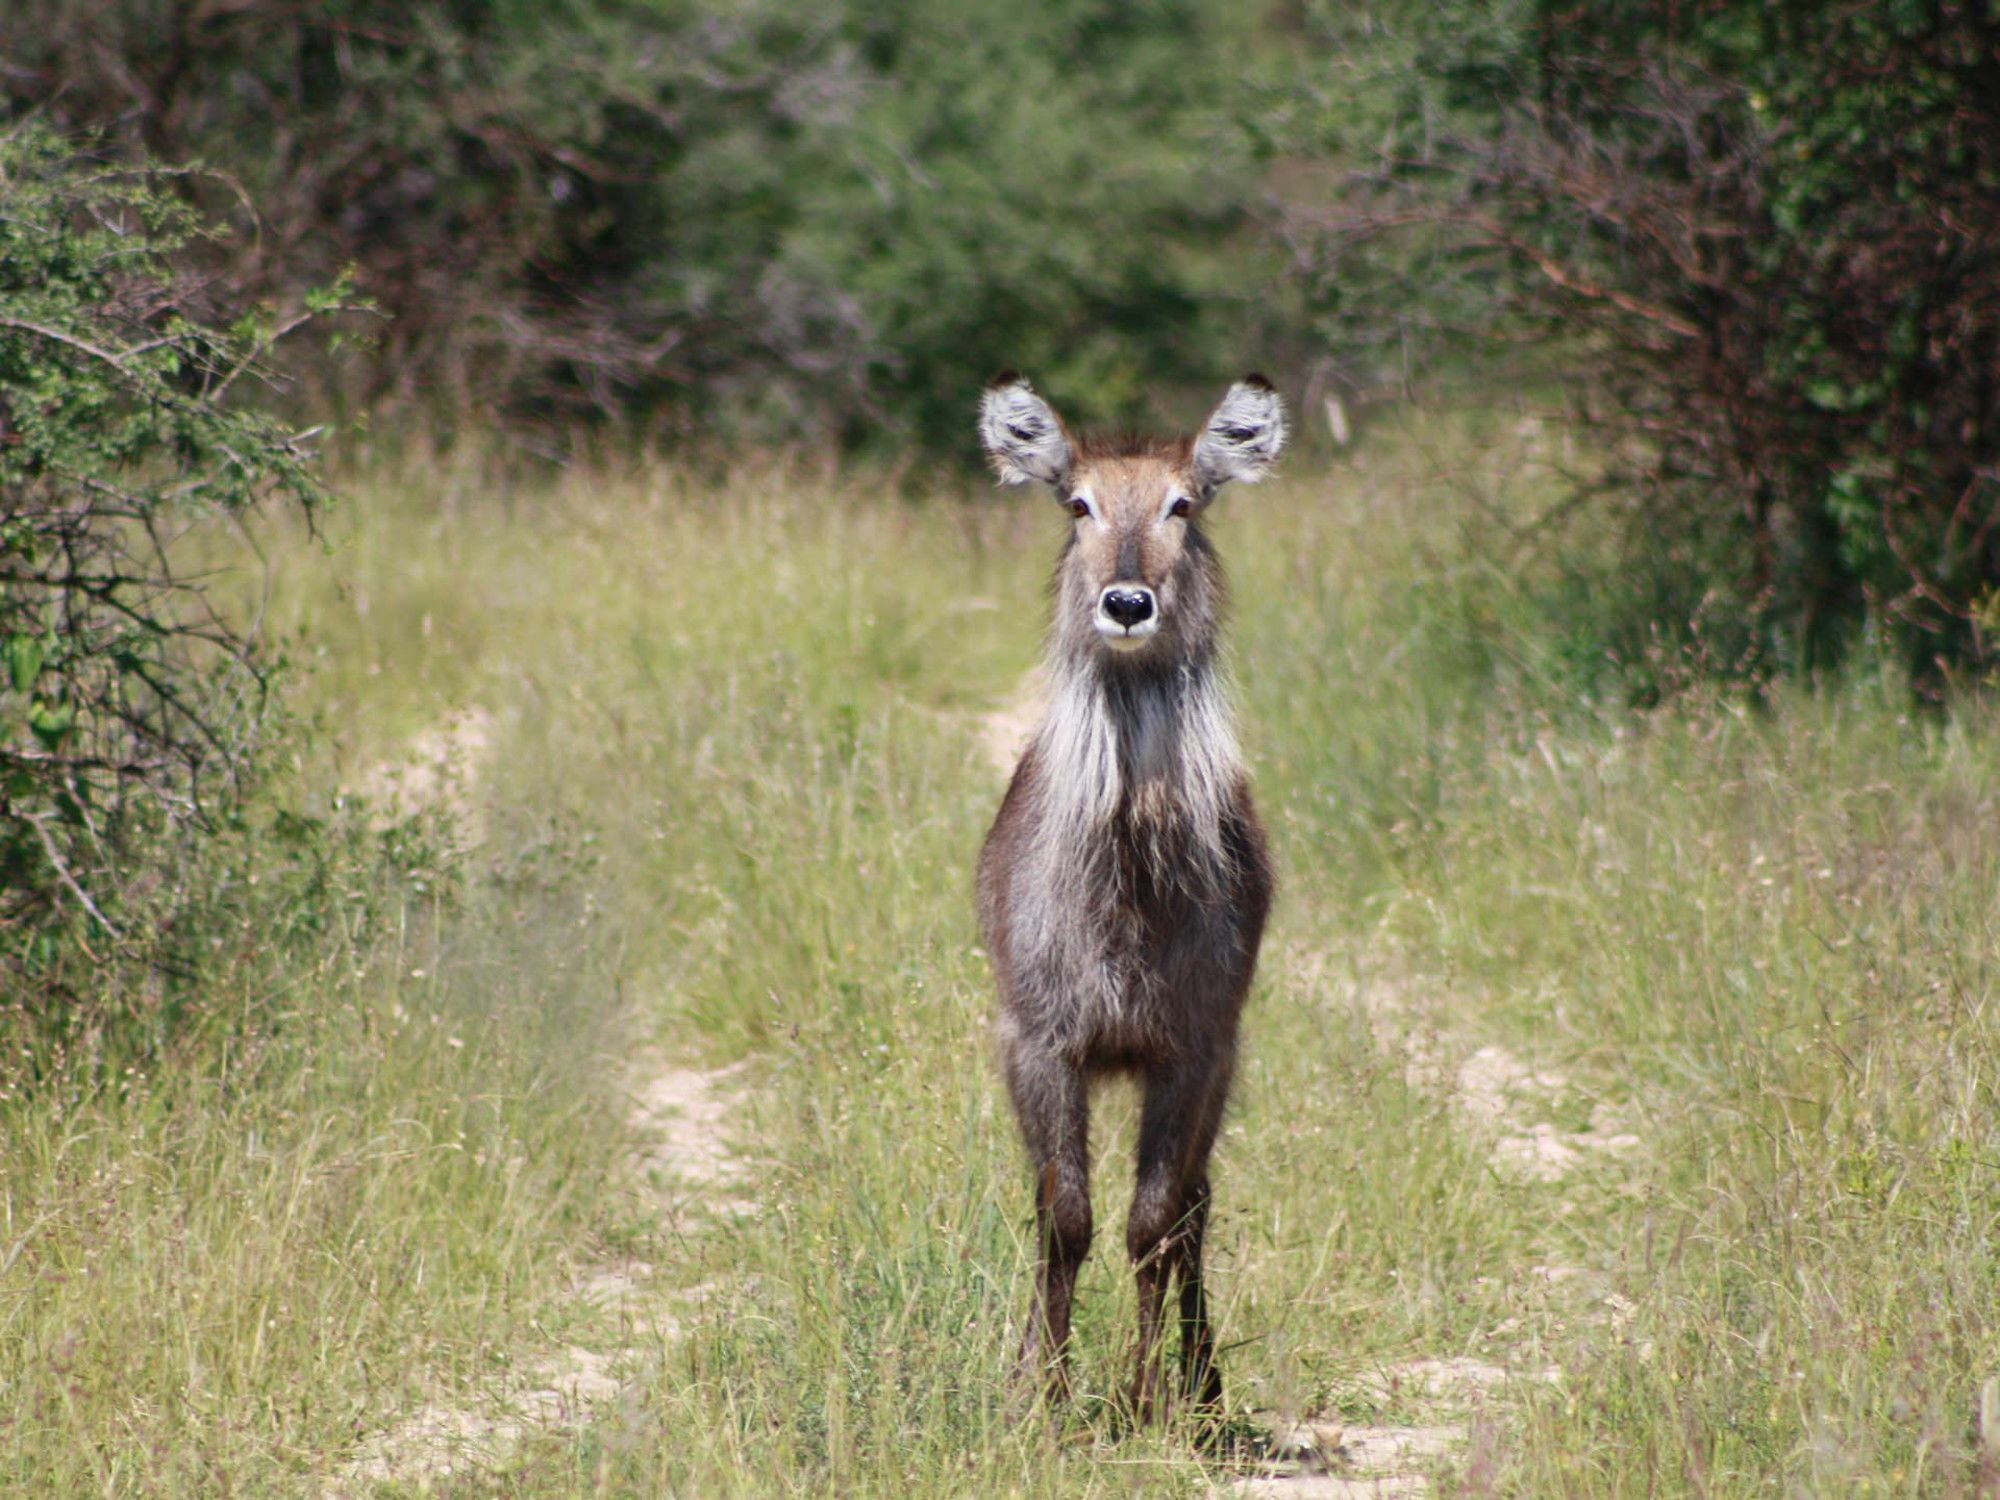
[(1760, 243), (129, 700)]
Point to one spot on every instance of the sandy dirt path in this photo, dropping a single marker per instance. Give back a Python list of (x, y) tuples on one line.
[(685, 1163)]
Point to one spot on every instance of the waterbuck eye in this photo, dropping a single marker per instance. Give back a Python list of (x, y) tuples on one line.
[(1181, 507), (1079, 507)]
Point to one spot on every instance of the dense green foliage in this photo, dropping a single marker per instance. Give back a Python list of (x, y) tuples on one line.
[(1761, 243), (128, 703), (1753, 244), (769, 219)]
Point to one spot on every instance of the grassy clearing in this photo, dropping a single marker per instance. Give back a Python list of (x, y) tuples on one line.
[(732, 795), (351, 1187)]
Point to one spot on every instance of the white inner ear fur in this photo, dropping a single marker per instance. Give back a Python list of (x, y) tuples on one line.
[(1023, 435), (1242, 438)]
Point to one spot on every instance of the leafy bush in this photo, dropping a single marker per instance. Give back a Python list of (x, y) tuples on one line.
[(128, 701), (1763, 244), (735, 220)]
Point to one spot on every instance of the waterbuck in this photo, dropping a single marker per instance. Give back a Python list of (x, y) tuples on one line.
[(1124, 885)]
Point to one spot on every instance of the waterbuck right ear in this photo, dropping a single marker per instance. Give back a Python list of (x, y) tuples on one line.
[(1243, 437), (1023, 435)]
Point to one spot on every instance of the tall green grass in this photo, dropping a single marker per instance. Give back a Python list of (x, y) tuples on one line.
[(734, 790)]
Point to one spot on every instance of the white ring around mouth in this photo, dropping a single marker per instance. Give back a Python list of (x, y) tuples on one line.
[(1122, 637)]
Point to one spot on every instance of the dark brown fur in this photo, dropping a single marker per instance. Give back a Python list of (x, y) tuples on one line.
[(1124, 886)]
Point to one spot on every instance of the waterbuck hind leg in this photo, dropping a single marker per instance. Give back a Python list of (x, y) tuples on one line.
[(1052, 1101), (1169, 1220)]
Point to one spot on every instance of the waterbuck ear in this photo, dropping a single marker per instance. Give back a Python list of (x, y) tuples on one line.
[(1023, 435), (1243, 436)]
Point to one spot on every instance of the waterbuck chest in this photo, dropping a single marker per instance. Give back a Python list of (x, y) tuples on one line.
[(1124, 884)]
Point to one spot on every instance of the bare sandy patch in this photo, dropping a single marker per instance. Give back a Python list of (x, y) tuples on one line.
[(1461, 1381), (442, 1440), (1502, 1095), (1332, 1461), (438, 771), (685, 1113)]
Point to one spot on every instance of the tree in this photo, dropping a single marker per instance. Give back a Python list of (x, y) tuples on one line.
[(1763, 243), (738, 219), (129, 703)]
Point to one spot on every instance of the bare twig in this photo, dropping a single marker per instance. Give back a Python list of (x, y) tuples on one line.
[(63, 872)]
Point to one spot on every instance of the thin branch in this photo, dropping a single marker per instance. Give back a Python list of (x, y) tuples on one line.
[(62, 870), (1573, 281), (117, 362)]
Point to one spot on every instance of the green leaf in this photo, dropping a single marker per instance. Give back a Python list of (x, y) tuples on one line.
[(1831, 395), (51, 721), (24, 656)]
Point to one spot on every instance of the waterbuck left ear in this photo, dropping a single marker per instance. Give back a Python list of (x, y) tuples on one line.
[(1023, 435), (1243, 437)]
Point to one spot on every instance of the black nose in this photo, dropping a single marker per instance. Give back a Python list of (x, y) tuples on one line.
[(1128, 606)]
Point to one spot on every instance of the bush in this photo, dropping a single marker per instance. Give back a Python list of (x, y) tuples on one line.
[(1761, 243), (129, 703)]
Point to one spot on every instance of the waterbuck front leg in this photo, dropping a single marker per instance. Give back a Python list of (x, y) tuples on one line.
[(1052, 1102), (1169, 1220), (1201, 1381)]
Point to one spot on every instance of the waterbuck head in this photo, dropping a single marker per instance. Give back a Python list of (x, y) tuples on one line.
[(1138, 576)]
